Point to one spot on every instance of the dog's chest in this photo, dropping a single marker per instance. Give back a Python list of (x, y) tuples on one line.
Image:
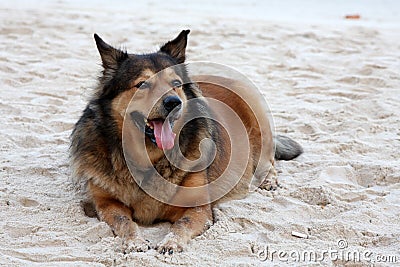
[(143, 192)]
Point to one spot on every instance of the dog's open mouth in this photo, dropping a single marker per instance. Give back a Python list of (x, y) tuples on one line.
[(160, 132), (157, 129)]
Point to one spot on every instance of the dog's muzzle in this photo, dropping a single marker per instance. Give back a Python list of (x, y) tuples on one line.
[(159, 129)]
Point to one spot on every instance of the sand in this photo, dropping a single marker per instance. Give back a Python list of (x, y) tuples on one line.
[(333, 85)]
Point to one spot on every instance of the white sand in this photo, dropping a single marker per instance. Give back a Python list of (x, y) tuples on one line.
[(333, 85)]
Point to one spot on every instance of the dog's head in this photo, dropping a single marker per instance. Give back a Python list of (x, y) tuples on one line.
[(156, 82)]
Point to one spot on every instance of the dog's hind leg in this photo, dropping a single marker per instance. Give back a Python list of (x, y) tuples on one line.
[(119, 218), (270, 181)]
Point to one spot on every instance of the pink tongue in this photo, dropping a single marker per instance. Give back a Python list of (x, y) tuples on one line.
[(164, 135)]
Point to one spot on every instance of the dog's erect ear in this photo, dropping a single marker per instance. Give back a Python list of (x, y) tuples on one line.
[(176, 48), (110, 56)]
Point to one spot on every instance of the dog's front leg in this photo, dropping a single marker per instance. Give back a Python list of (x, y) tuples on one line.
[(189, 221), (119, 218), (193, 222)]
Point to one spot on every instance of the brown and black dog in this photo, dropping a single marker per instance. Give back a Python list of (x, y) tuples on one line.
[(99, 151)]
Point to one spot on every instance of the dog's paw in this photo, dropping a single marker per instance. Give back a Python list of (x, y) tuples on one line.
[(170, 244), (136, 245)]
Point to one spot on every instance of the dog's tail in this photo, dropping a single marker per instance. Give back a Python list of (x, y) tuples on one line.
[(286, 148)]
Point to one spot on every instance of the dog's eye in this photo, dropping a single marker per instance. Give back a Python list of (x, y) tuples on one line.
[(176, 83), (142, 85)]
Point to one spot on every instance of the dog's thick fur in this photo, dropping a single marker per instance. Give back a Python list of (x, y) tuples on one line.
[(97, 156)]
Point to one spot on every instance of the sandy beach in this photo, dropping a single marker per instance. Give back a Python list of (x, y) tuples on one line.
[(332, 84)]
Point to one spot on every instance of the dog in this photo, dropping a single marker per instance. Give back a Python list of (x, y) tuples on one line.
[(111, 167)]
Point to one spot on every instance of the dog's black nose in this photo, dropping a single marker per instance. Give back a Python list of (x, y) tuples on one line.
[(171, 102)]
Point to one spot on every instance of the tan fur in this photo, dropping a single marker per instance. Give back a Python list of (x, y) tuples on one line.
[(227, 91)]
